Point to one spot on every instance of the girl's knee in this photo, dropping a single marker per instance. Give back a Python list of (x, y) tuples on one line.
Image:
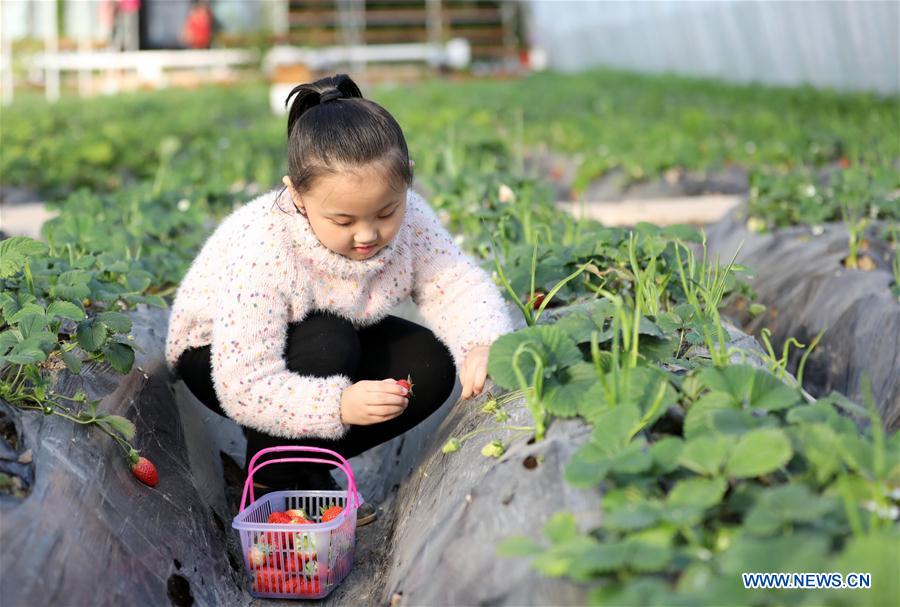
[(322, 344)]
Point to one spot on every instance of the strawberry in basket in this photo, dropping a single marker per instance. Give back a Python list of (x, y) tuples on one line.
[(301, 586), (258, 555), (298, 515), (289, 561), (330, 513), (270, 579)]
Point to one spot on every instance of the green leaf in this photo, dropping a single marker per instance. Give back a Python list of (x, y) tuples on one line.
[(858, 453), (705, 454), (821, 411), (749, 386), (612, 429), (735, 380), (156, 301), (552, 344), (29, 309), (818, 443), (771, 394), (564, 390), (120, 424), (26, 352), (632, 516), (666, 452), (593, 403), (594, 317), (73, 363), (840, 401), (65, 309), (648, 557), (759, 452), (648, 327), (877, 554), (14, 251), (91, 334), (633, 459), (606, 557), (699, 492), (34, 324), (138, 280), (119, 355), (566, 558), (784, 505), (7, 340), (518, 545), (118, 322), (800, 551), (589, 465), (72, 285), (561, 527)]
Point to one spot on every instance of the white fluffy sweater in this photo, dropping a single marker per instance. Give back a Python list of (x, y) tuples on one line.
[(263, 268)]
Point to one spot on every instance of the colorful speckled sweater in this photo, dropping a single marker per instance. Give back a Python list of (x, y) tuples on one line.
[(263, 268)]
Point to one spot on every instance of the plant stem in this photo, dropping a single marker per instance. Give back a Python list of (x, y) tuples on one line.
[(468, 435)]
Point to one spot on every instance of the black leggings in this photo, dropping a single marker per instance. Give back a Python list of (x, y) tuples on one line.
[(324, 344)]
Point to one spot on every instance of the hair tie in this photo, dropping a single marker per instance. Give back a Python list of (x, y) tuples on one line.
[(329, 95)]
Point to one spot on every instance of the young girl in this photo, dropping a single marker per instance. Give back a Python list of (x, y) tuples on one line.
[(281, 322)]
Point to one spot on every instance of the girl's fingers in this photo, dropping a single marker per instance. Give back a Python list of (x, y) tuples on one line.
[(479, 381), (389, 399), (388, 386), (382, 410), (467, 381), (386, 414)]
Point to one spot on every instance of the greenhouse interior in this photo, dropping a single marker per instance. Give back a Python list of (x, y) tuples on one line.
[(608, 289)]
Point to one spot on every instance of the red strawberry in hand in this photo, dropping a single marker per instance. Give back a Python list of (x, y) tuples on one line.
[(407, 383), (143, 469)]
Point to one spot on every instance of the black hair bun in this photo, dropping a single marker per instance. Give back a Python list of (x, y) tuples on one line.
[(309, 95), (330, 95)]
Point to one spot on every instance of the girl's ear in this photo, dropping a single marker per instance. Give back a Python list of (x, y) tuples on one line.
[(294, 195), (412, 163)]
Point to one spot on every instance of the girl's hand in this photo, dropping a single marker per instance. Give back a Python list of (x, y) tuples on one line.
[(372, 402), (474, 371)]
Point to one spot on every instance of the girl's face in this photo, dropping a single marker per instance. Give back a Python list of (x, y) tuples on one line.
[(353, 213)]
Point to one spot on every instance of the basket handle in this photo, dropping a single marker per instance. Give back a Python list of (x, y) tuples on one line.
[(343, 464), (351, 487)]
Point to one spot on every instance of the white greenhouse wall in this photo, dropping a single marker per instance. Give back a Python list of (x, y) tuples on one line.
[(842, 44)]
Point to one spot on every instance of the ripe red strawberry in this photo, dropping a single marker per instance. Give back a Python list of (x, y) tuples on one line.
[(297, 513), (301, 586), (407, 383), (277, 540), (269, 579), (279, 518), (538, 299), (292, 561), (144, 469), (331, 513)]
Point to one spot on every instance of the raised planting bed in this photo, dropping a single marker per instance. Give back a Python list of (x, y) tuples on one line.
[(802, 281)]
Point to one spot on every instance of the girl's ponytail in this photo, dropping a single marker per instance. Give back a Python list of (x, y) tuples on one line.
[(343, 130), (308, 96)]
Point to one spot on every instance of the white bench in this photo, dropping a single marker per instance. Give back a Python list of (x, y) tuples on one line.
[(150, 66), (456, 53)]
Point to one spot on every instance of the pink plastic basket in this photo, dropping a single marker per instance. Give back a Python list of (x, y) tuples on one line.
[(297, 561)]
